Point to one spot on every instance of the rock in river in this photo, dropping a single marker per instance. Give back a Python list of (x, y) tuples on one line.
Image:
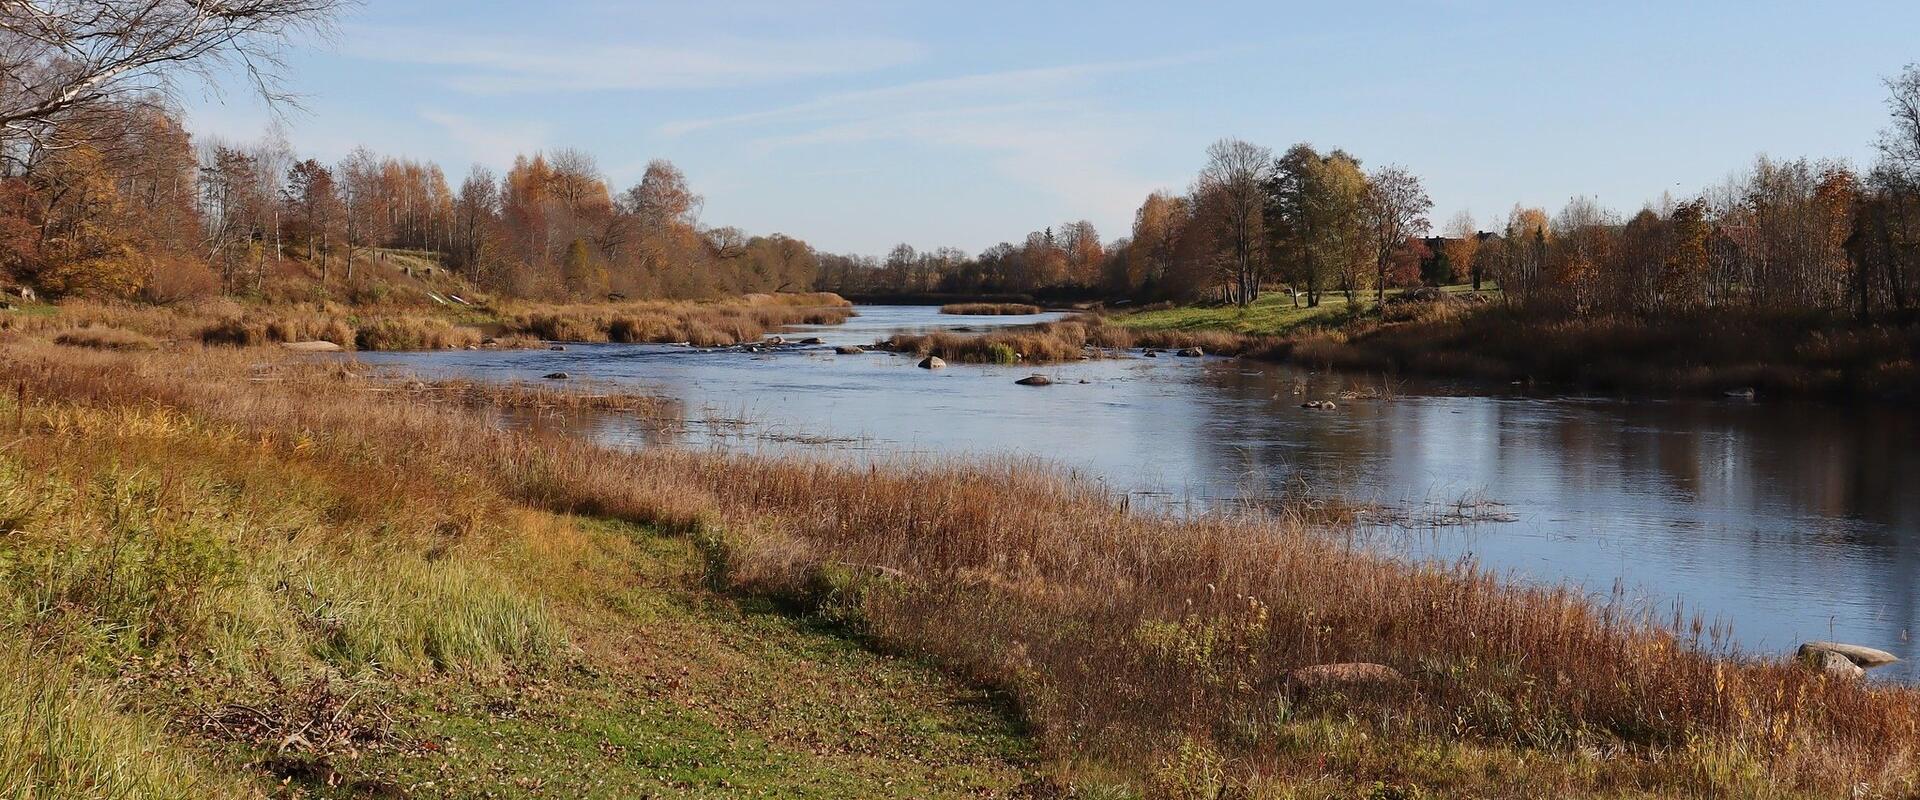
[(1035, 380), (932, 362), (1191, 352), (557, 376), (849, 350), (813, 340)]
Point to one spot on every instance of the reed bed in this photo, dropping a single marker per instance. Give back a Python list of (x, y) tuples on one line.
[(991, 309), (1144, 649), (1707, 351), (703, 324), (101, 337), (1082, 336)]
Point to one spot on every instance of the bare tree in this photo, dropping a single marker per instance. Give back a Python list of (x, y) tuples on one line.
[(64, 56), (1396, 209), (1232, 188)]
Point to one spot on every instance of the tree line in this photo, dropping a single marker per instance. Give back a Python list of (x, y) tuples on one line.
[(1784, 234), (104, 193)]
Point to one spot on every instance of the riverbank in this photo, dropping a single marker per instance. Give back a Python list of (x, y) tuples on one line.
[(1136, 651), (455, 322), (1456, 333)]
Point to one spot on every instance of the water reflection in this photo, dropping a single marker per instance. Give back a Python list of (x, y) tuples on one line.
[(1790, 521)]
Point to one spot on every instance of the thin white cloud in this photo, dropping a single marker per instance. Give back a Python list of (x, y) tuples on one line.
[(1042, 127), (507, 65), (929, 94), (490, 142)]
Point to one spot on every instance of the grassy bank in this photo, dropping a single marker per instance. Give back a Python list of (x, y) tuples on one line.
[(1704, 352), (203, 601), (1081, 336), (502, 323), (199, 538)]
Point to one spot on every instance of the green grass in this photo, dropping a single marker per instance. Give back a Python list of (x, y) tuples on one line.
[(688, 694), (1274, 314), (185, 614)]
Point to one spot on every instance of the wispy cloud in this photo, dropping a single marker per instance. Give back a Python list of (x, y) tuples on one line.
[(490, 142), (933, 94), (1043, 127), (482, 64)]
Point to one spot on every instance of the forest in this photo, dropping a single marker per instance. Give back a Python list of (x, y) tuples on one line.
[(109, 196)]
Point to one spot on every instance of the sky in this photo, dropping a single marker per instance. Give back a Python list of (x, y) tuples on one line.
[(858, 124)]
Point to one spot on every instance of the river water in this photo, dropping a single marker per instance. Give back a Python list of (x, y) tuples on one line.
[(1785, 521)]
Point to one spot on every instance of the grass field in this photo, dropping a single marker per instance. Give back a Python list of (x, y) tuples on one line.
[(1274, 314)]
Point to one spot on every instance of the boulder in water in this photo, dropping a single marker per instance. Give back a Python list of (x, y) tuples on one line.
[(556, 376), (1191, 352), (932, 362), (1035, 380), (849, 350)]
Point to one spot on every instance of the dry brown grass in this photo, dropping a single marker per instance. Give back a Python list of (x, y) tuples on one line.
[(101, 337), (1137, 645), (990, 309), (1709, 351), (704, 324), (1067, 340)]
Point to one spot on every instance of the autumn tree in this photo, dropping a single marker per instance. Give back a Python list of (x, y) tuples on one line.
[(1314, 209), (1394, 209)]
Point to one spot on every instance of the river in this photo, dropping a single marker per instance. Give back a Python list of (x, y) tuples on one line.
[(1786, 521)]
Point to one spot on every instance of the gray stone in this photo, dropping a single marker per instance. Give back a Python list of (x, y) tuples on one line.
[(932, 362), (1035, 380), (849, 350), (1865, 657)]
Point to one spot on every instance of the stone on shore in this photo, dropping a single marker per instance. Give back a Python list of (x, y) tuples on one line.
[(1864, 657), (316, 346)]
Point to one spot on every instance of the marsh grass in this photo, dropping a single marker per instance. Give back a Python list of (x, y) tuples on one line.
[(702, 324), (1141, 649), (1081, 336), (1707, 351)]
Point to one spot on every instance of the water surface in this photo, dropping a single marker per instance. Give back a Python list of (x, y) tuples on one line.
[(1788, 521)]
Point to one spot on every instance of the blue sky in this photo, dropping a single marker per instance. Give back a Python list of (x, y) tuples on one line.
[(857, 124)]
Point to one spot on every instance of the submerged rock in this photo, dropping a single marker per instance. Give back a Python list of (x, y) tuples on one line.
[(558, 347), (932, 362), (1035, 380)]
